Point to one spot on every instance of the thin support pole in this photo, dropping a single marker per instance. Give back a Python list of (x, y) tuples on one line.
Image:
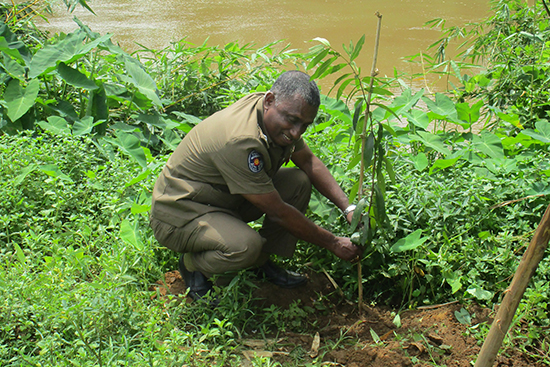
[(373, 73), (527, 267)]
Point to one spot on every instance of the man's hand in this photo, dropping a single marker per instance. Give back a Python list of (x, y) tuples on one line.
[(346, 250)]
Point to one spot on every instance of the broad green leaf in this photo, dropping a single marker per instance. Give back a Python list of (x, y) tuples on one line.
[(512, 118), (56, 125), (70, 49), (129, 234), (24, 173), (480, 293), (489, 144), (443, 107), (131, 146), (19, 100), (420, 161), (441, 164), (357, 48), (75, 77), (138, 209), (431, 140), (369, 150), (53, 171), (418, 118), (406, 101), (143, 81), (14, 69), (469, 114), (542, 131), (142, 176), (410, 242), (158, 121), (85, 126)]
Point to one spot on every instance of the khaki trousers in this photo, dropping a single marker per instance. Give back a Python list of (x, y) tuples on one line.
[(218, 242)]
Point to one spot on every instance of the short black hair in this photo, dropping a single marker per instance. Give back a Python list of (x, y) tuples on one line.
[(295, 82)]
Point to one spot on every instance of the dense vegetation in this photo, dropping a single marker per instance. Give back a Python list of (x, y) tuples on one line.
[(459, 183)]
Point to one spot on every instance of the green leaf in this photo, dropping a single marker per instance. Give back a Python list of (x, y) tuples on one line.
[(357, 48), (323, 41), (20, 255), (389, 169), (380, 204), (130, 235), (463, 317), (410, 242), (24, 173), (357, 213), (431, 140), (418, 118), (53, 171), (70, 49), (322, 68), (56, 125), (480, 293), (420, 161), (85, 126), (443, 107), (143, 81), (14, 69), (357, 113), (369, 150), (441, 164), (19, 100), (543, 131), (469, 114), (130, 145), (318, 58), (489, 144), (75, 77)]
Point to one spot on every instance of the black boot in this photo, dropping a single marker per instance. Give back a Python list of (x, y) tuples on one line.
[(199, 285), (281, 277)]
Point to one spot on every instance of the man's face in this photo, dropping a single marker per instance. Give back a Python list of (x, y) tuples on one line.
[(288, 120)]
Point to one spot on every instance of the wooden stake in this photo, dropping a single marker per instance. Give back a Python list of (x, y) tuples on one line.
[(373, 73), (526, 269)]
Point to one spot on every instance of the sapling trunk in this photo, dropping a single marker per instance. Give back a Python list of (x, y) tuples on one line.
[(373, 74)]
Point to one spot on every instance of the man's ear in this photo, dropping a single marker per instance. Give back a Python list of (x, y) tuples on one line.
[(269, 99)]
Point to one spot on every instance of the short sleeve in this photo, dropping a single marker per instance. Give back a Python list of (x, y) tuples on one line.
[(242, 163)]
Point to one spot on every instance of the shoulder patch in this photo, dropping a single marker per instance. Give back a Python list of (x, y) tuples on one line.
[(255, 161)]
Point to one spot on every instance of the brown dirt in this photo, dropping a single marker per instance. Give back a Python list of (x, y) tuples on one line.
[(427, 337)]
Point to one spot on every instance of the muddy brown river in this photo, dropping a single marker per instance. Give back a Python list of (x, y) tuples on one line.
[(156, 23)]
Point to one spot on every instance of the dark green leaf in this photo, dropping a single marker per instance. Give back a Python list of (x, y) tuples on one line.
[(75, 77), (369, 150)]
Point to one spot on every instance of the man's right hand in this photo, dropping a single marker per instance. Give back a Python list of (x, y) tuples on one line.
[(346, 250)]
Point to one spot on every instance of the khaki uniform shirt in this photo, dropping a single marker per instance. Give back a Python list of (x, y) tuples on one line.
[(224, 156)]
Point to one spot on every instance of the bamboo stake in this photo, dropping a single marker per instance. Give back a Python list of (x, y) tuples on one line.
[(526, 269), (373, 73)]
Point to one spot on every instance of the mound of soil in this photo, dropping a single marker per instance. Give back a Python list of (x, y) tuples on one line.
[(431, 336)]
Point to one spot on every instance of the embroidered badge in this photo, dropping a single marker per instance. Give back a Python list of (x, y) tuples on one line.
[(255, 161)]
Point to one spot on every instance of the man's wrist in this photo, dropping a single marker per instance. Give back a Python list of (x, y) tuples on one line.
[(349, 209)]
